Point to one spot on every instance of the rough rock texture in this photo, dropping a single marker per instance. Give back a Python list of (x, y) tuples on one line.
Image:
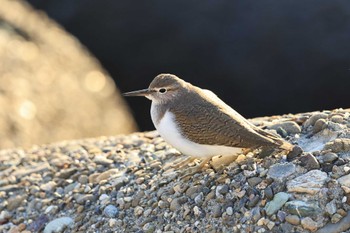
[(126, 184), (50, 87)]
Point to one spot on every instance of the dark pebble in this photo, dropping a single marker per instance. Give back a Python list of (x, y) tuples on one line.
[(268, 192), (309, 162), (38, 224), (297, 151), (254, 181)]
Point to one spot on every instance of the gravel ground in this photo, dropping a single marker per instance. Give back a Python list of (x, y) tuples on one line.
[(126, 184)]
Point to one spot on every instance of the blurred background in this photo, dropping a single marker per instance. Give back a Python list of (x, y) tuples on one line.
[(261, 57)]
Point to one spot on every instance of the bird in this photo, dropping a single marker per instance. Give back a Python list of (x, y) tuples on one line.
[(199, 124)]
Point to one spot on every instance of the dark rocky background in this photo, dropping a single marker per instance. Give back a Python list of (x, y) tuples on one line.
[(261, 57)]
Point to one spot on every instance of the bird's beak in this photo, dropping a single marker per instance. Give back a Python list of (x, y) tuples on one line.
[(143, 92)]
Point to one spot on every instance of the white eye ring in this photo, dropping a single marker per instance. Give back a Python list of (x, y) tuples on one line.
[(162, 90)]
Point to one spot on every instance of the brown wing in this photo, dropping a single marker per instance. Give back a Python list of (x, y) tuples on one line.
[(210, 123)]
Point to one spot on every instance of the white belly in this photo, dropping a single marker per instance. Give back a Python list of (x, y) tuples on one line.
[(171, 134)]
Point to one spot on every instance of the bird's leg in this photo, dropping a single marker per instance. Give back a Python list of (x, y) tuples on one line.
[(195, 169), (183, 162)]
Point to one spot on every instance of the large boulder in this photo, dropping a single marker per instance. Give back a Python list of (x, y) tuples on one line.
[(51, 88)]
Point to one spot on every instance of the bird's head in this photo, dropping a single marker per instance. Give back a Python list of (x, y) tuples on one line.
[(163, 88)]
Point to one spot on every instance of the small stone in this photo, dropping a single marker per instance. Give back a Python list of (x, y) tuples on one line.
[(52, 209), (148, 228), (138, 210), (329, 157), (277, 203), (311, 121), (296, 151), (105, 175), (196, 211), (254, 181), (49, 186), (177, 202), (111, 211), (192, 191), (83, 179), (112, 222), (338, 145), (281, 171), (38, 223), (268, 192), (199, 199), (337, 119), (336, 218), (310, 182), (319, 125), (302, 208), (4, 216), (229, 210), (100, 159), (163, 204), (290, 127), (58, 224), (309, 224), (309, 162), (82, 198), (281, 215), (221, 190), (15, 202), (216, 210), (331, 207), (345, 180), (67, 173), (293, 219)]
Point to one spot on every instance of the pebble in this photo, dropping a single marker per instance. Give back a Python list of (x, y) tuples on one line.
[(196, 211), (229, 210), (100, 159), (216, 210), (254, 181), (293, 219), (309, 162), (320, 124), (344, 180), (276, 204), (131, 191), (38, 224), (49, 186), (199, 199), (111, 211), (310, 182), (281, 171), (15, 202), (312, 120), (52, 209), (302, 208), (112, 222), (289, 126), (329, 157), (336, 218), (309, 224), (138, 210), (331, 207), (177, 202), (58, 224), (83, 179), (338, 145)]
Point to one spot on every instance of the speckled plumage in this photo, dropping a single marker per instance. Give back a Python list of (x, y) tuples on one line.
[(202, 118)]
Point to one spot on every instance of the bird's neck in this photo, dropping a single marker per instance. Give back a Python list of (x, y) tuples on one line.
[(158, 111)]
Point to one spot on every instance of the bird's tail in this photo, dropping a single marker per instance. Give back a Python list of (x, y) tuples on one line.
[(277, 141)]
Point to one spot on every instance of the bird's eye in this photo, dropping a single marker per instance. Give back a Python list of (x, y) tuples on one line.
[(162, 90)]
